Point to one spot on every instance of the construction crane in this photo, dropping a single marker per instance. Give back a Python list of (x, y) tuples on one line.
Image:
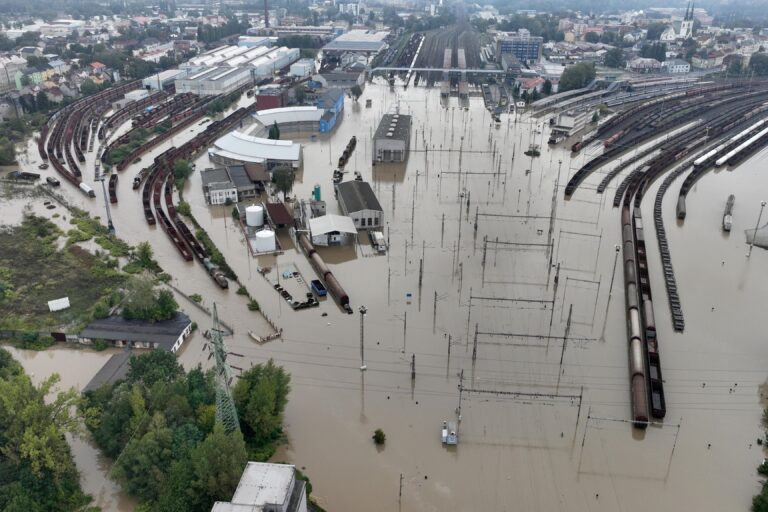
[(226, 412)]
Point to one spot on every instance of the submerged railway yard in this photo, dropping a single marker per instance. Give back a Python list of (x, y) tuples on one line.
[(515, 298)]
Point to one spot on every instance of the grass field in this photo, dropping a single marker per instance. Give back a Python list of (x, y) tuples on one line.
[(37, 266)]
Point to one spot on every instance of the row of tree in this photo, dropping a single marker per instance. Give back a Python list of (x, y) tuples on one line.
[(160, 424), (37, 472)]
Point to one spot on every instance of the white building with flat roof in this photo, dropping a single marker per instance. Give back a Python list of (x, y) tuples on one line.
[(267, 487), (239, 148)]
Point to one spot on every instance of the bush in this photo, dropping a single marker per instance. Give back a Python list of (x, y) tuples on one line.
[(253, 305), (183, 208), (164, 277), (196, 297), (133, 268), (100, 345), (193, 327), (379, 437), (242, 291), (75, 235)]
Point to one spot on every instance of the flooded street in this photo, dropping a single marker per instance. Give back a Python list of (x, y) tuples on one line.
[(546, 399)]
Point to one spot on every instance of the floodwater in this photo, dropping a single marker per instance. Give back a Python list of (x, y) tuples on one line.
[(543, 415)]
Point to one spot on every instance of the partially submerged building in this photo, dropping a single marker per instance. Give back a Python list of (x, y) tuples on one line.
[(392, 139), (165, 335), (329, 230), (239, 148), (357, 200), (266, 487)]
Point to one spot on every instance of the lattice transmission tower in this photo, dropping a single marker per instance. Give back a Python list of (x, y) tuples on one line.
[(226, 412)]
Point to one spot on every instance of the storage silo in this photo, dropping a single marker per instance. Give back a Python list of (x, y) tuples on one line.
[(254, 215), (265, 241)]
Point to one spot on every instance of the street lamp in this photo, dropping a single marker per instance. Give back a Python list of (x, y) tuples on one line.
[(757, 225), (363, 310)]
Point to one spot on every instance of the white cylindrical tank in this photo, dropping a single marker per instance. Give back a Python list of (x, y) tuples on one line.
[(265, 241), (254, 215)]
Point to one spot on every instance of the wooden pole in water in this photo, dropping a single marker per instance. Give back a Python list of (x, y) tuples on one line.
[(405, 328), (474, 346), (413, 367), (442, 232)]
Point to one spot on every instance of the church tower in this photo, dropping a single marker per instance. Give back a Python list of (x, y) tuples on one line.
[(686, 26)]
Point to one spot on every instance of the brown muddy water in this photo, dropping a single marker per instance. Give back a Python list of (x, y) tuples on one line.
[(535, 433)]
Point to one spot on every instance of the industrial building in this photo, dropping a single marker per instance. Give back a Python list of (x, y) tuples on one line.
[(357, 200), (522, 46), (303, 67), (214, 81), (291, 119), (568, 123), (218, 188), (330, 230), (392, 138), (231, 183), (339, 80), (239, 148), (262, 61), (166, 334), (358, 41), (160, 81), (266, 487)]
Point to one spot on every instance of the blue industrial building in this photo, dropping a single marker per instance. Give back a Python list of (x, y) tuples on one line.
[(332, 101)]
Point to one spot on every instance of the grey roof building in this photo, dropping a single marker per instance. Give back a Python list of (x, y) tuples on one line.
[(357, 200), (167, 334), (218, 186), (116, 368), (239, 177), (392, 139)]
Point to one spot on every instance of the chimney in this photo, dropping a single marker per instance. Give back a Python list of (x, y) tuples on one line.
[(266, 14)]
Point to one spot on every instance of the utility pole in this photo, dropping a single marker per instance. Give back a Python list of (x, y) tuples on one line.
[(757, 225), (363, 310), (226, 413), (461, 390), (610, 290)]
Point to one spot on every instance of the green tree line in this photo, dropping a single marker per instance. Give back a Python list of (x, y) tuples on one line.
[(160, 424), (37, 472)]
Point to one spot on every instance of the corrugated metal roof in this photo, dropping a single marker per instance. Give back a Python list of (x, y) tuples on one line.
[(358, 195), (330, 223), (247, 148)]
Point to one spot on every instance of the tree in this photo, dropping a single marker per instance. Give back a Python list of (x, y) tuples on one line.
[(614, 58), (758, 63), (88, 87), (283, 180), (218, 463), (37, 472), (379, 437), (145, 461), (7, 152), (547, 87), (41, 100), (181, 171), (143, 302), (655, 30), (577, 76), (734, 68), (592, 37), (152, 367), (260, 396), (144, 255), (356, 91), (274, 131)]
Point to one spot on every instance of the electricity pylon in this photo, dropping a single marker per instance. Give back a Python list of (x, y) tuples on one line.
[(226, 412)]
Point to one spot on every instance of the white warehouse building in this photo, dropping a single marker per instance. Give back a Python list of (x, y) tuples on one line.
[(214, 81), (261, 60)]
